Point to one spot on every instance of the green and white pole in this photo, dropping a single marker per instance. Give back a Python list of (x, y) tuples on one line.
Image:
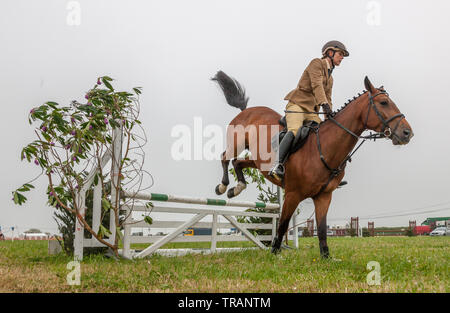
[(205, 201)]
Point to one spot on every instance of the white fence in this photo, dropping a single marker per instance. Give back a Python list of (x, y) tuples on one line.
[(210, 207)]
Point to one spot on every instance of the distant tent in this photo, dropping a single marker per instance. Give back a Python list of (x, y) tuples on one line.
[(34, 236), (432, 220)]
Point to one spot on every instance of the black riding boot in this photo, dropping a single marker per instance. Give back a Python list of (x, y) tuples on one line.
[(278, 169)]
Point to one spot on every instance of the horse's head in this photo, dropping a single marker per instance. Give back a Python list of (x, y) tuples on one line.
[(384, 116)]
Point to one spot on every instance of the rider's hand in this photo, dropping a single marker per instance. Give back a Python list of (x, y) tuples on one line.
[(326, 109)]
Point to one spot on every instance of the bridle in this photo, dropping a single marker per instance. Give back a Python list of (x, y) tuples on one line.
[(385, 132), (386, 129)]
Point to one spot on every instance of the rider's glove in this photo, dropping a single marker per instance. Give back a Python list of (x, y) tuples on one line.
[(327, 110)]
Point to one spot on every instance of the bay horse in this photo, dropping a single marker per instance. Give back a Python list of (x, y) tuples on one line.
[(315, 170)]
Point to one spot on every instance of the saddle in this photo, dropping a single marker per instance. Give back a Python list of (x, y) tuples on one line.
[(300, 137)]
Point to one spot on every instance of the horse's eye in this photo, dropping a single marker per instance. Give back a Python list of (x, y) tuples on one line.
[(384, 103)]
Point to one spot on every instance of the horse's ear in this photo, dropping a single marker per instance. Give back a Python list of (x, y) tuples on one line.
[(368, 84)]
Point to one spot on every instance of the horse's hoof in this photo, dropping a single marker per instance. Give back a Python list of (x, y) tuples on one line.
[(276, 246), (275, 250), (324, 253), (283, 246), (220, 189), (230, 193)]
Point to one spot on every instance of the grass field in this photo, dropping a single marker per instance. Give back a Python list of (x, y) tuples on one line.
[(407, 264)]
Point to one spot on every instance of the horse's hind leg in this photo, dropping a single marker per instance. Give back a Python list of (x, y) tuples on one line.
[(322, 203), (291, 202), (239, 165), (235, 145), (222, 187)]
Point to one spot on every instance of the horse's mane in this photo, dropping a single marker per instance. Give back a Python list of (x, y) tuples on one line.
[(350, 101), (346, 104), (354, 98)]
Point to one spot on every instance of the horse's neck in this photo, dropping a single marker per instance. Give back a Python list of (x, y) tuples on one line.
[(336, 142)]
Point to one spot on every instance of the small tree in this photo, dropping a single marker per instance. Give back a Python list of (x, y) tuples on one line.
[(71, 143), (66, 221)]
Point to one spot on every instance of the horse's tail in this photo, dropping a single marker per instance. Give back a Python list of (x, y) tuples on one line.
[(233, 91)]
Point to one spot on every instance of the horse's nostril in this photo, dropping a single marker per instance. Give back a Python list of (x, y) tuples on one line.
[(406, 132)]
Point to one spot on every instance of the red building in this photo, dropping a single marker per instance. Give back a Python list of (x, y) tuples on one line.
[(422, 230)]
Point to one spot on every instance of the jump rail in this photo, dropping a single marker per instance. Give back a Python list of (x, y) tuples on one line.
[(205, 201), (200, 213)]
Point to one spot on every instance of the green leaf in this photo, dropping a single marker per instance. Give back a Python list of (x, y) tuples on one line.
[(107, 84), (23, 189), (47, 137), (19, 198), (148, 220), (52, 104), (103, 231), (16, 197), (149, 205), (105, 204), (119, 233)]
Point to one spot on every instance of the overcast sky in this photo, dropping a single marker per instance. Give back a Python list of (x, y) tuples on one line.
[(55, 50)]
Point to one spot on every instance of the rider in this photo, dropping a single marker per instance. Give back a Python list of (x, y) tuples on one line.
[(313, 91)]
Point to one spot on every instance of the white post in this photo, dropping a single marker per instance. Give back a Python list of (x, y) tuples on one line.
[(79, 227), (127, 235), (280, 203), (115, 181), (214, 233), (274, 228), (295, 230), (97, 207)]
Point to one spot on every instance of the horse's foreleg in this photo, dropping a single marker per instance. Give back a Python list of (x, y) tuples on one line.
[(291, 202), (222, 187), (239, 165), (322, 203)]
